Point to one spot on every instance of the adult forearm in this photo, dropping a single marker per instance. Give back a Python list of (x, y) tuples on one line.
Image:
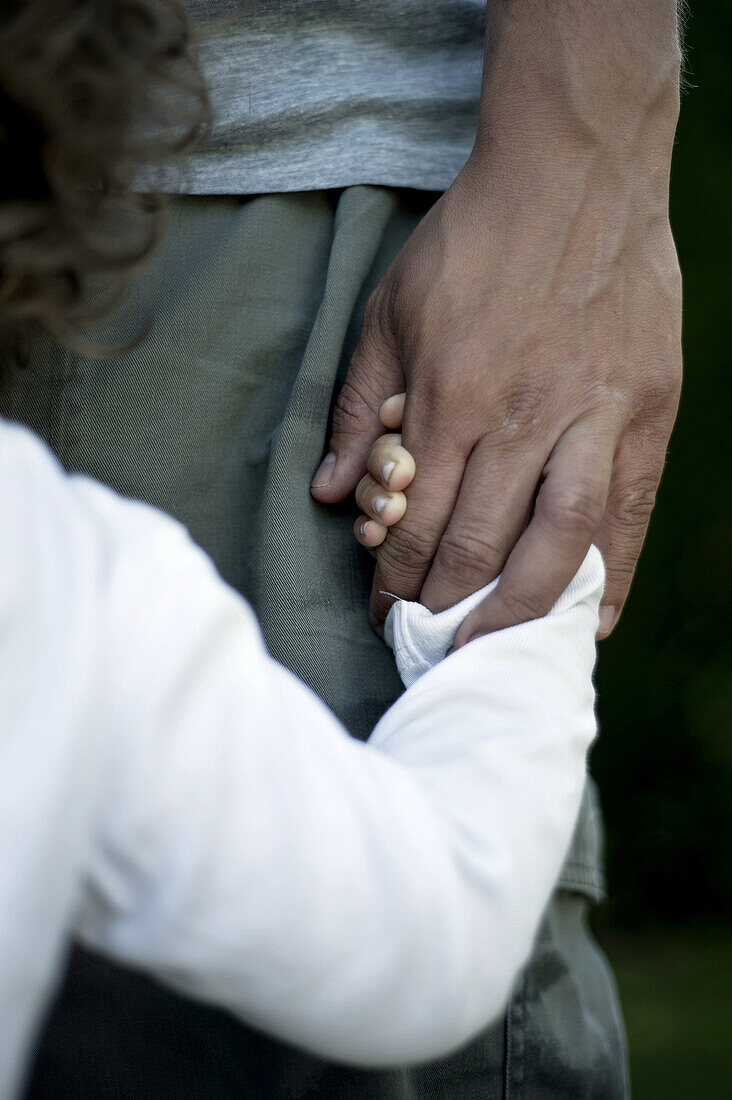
[(598, 76)]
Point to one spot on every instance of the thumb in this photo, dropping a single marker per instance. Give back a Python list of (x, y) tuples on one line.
[(374, 373)]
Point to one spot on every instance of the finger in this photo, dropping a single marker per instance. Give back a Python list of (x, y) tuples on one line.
[(368, 532), (374, 374), (376, 501), (407, 552), (636, 475), (495, 502), (567, 514), (391, 412), (390, 463)]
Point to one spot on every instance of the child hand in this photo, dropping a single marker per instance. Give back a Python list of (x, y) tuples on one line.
[(391, 469)]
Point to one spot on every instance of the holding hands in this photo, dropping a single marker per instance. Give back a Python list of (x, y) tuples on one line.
[(542, 380), (533, 319), (391, 469)]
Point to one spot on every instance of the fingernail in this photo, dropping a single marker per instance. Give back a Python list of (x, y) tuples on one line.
[(324, 472), (362, 528), (386, 471), (380, 504), (607, 618)]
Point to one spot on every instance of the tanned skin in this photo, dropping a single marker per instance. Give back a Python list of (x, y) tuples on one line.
[(534, 320)]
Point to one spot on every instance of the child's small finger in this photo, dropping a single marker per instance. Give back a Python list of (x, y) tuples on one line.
[(379, 503), (390, 463), (391, 412), (368, 532)]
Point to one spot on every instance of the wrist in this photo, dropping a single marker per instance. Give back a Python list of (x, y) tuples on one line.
[(551, 183)]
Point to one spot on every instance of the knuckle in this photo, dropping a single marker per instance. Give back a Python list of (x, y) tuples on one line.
[(352, 414), (620, 573), (469, 554), (443, 404), (523, 408), (663, 381), (406, 552), (442, 386), (632, 508), (657, 399), (521, 607), (578, 510), (439, 386)]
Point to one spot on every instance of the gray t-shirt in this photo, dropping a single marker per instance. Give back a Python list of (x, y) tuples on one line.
[(311, 94)]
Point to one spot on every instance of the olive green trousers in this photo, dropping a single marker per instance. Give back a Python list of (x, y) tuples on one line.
[(220, 417)]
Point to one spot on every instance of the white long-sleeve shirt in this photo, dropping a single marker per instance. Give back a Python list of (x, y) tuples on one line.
[(180, 801)]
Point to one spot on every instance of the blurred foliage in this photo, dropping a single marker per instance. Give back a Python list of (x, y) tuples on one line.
[(675, 992), (664, 761)]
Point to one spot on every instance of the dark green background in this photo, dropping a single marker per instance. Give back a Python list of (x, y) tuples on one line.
[(664, 761), (665, 677)]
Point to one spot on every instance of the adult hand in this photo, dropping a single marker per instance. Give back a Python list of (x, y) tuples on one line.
[(533, 319)]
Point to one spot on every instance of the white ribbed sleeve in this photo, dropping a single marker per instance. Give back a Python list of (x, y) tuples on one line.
[(370, 902)]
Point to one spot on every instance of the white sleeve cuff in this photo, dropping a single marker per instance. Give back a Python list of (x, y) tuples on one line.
[(421, 639)]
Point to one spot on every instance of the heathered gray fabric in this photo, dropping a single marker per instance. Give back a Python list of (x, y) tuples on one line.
[(312, 94)]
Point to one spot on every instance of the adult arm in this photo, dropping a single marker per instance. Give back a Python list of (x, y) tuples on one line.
[(533, 318)]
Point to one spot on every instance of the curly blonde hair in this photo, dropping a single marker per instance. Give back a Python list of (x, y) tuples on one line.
[(91, 92)]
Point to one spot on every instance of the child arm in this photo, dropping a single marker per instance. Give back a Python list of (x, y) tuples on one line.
[(370, 902)]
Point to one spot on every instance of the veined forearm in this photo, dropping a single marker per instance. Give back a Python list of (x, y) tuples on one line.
[(600, 74)]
